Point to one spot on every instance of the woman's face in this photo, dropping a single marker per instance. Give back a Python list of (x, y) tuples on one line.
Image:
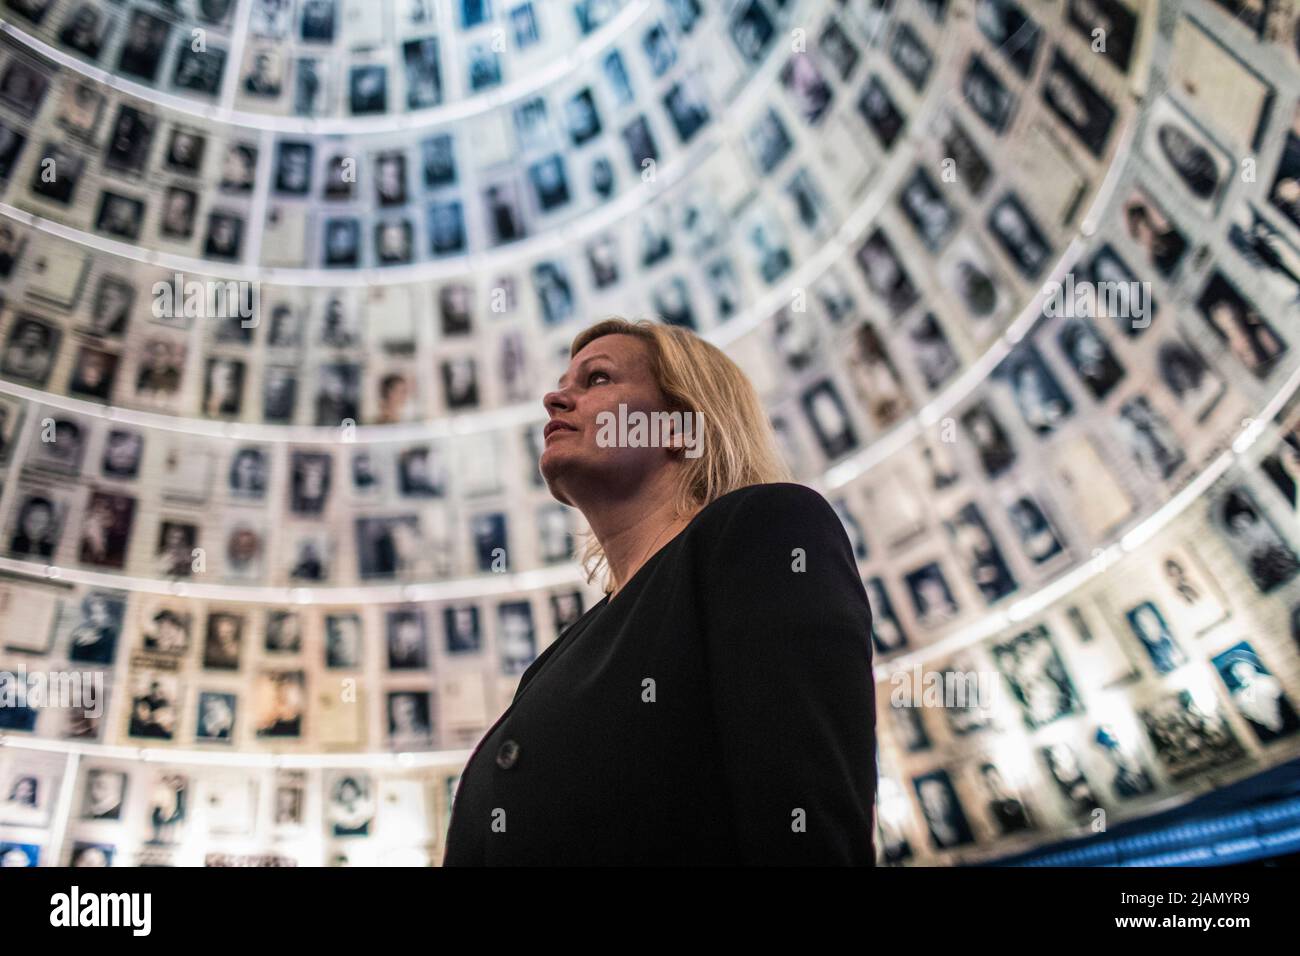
[(578, 457)]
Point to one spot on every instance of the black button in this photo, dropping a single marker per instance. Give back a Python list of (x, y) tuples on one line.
[(507, 754)]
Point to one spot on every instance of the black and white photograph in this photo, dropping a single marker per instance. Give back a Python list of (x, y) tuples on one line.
[(1184, 155), (1189, 734), (1039, 539), (1116, 21), (409, 726), (460, 624), (885, 273), (407, 640), (105, 530), (30, 349), (1039, 397), (981, 554), (168, 630), (23, 86), (942, 810), (881, 113), (153, 701), (1037, 677), (388, 546), (1238, 325), (986, 310), (1258, 696), (992, 443), (423, 73), (516, 637), (1077, 793), (279, 703), (1148, 625), (934, 354), (200, 71), (1149, 437), (1254, 540), (1010, 32), (1091, 357), (923, 204), (216, 717), (119, 217), (910, 54), (986, 95), (104, 796), (1021, 239), (932, 599), (887, 634), (829, 418), (1078, 105)]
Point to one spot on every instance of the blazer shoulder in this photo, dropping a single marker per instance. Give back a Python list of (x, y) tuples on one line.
[(751, 511)]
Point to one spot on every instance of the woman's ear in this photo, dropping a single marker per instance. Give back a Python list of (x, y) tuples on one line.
[(678, 439)]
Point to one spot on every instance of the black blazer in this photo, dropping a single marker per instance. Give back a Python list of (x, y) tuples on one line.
[(719, 710)]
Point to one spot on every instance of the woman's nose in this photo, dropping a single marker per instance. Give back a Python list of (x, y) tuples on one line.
[(557, 399)]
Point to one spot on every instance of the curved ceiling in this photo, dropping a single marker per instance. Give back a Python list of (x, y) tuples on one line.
[(283, 283)]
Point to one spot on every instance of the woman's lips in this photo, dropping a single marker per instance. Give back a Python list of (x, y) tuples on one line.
[(556, 427)]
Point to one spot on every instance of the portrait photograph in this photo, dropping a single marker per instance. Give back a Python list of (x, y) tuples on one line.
[(1090, 356), (1076, 792), (1148, 625), (388, 546), (167, 630), (1257, 695), (1010, 31), (942, 810), (216, 717), (96, 627), (1039, 397), (154, 697), (461, 626), (279, 701), (1254, 540), (283, 632), (407, 640), (37, 526), (880, 112), (1237, 323), (350, 805), (516, 637), (409, 726), (29, 351), (104, 795), (932, 598), (224, 641), (1184, 155), (27, 795), (986, 95), (1189, 734), (1039, 539), (885, 274), (1077, 104), (1010, 222)]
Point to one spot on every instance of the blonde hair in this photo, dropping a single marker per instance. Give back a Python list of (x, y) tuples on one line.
[(697, 376)]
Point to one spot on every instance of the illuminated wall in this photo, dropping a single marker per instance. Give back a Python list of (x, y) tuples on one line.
[(283, 282)]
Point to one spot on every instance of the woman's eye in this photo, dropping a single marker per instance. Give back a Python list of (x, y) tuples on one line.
[(595, 375)]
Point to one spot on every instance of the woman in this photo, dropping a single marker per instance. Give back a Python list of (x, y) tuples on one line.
[(716, 706)]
